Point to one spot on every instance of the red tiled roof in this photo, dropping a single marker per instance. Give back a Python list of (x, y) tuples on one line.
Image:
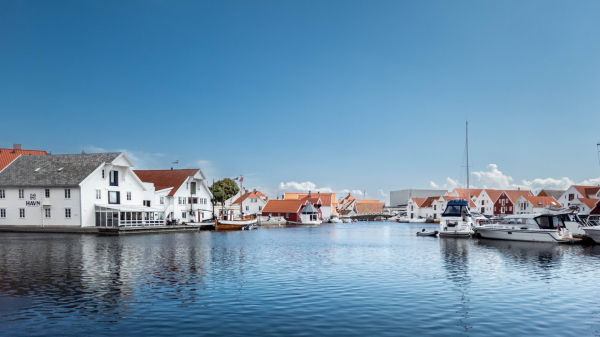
[(429, 201), (368, 201), (166, 178), (246, 196), (462, 192), (514, 195), (326, 198), (369, 207), (543, 201), (418, 201), (283, 206), (586, 190), (589, 202), (8, 155), (493, 194)]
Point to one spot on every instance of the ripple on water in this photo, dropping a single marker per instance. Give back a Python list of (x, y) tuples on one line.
[(354, 280)]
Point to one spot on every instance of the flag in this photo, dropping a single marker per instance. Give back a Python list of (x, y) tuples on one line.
[(176, 162), (236, 178)]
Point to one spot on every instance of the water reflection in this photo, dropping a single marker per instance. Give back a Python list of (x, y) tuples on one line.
[(455, 257)]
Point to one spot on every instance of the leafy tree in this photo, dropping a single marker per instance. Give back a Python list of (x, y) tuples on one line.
[(223, 190)]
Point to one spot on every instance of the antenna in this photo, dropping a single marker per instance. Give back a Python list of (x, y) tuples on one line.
[(598, 147)]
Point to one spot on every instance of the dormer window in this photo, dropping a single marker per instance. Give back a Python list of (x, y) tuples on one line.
[(114, 178)]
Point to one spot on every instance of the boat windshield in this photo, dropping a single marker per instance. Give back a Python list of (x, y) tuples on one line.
[(455, 210), (549, 222)]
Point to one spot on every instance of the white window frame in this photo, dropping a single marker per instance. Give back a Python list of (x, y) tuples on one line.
[(247, 208), (2, 194), (162, 200), (68, 213), (98, 194), (2, 213), (183, 215), (67, 193), (21, 193), (129, 196), (47, 193), (21, 213), (47, 213)]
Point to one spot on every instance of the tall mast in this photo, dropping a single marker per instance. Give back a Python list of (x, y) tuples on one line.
[(241, 195), (468, 190)]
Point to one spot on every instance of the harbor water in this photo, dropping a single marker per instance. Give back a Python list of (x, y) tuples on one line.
[(363, 279)]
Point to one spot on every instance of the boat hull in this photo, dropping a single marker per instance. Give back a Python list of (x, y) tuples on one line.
[(531, 235), (234, 224), (593, 233), (417, 220)]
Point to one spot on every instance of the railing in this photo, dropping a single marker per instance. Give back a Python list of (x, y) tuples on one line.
[(141, 223)]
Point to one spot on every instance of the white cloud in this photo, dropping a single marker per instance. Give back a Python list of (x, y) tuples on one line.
[(450, 184), (549, 183), (303, 187), (382, 193), (591, 182), (493, 178), (433, 185)]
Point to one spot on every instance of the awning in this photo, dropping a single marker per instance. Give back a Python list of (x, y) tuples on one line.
[(130, 208)]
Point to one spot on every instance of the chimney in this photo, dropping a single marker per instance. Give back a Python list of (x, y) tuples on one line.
[(16, 146), (171, 169), (309, 194)]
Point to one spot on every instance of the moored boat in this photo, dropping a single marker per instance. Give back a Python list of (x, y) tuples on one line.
[(420, 220), (528, 227), (235, 224), (456, 220), (427, 233)]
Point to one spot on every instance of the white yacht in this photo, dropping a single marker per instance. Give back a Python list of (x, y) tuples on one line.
[(334, 218), (528, 227), (456, 220)]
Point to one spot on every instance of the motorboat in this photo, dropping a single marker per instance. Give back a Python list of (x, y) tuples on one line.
[(427, 233), (528, 227), (334, 218), (419, 220), (456, 220)]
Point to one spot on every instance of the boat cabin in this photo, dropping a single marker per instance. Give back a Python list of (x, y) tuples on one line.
[(534, 221), (457, 208)]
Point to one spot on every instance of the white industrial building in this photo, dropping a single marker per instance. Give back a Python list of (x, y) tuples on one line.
[(74, 190)]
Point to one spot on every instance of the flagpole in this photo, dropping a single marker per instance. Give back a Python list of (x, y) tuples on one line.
[(241, 199)]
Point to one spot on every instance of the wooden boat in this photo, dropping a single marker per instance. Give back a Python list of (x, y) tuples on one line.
[(236, 224), (427, 233)]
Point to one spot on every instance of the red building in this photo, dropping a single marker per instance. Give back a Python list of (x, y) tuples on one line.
[(505, 205), (289, 209)]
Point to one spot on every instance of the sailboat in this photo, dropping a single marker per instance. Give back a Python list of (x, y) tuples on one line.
[(457, 220), (230, 223)]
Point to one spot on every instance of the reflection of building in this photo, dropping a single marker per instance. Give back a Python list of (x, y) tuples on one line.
[(67, 190)]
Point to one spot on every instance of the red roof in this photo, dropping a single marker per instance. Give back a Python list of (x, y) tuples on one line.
[(418, 201), (166, 178), (283, 206), (493, 194), (462, 192), (369, 207), (429, 201), (589, 202), (326, 198), (515, 195), (543, 201), (8, 155), (246, 196), (585, 191)]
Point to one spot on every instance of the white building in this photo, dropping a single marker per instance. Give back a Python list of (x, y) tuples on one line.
[(251, 203), (581, 196), (484, 202), (401, 197), (74, 190), (181, 194), (531, 204)]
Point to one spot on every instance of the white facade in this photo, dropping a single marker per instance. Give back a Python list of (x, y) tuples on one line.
[(569, 198), (484, 204), (73, 205), (185, 204)]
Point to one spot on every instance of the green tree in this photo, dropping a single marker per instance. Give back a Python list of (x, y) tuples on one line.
[(223, 190)]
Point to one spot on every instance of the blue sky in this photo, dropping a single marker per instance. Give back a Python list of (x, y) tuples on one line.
[(356, 95)]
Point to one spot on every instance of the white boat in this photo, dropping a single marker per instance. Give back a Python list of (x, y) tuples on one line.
[(593, 232), (456, 220), (346, 220), (334, 218), (427, 233), (417, 220), (528, 227), (234, 224)]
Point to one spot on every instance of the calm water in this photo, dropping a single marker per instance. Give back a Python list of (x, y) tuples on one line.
[(362, 279)]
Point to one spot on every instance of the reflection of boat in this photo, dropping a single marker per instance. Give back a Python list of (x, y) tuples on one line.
[(456, 220), (528, 227), (250, 227), (427, 233)]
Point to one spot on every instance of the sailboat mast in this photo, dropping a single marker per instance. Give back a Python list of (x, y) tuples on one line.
[(468, 190)]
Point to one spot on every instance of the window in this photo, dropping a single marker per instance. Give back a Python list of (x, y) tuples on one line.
[(47, 212), (571, 197), (260, 208), (247, 208), (128, 195), (147, 203), (162, 200), (2, 213), (21, 193), (114, 178), (183, 215), (47, 193), (103, 176), (98, 194), (252, 199), (67, 193), (182, 200), (68, 213), (2, 195), (114, 197), (187, 186), (22, 213)]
